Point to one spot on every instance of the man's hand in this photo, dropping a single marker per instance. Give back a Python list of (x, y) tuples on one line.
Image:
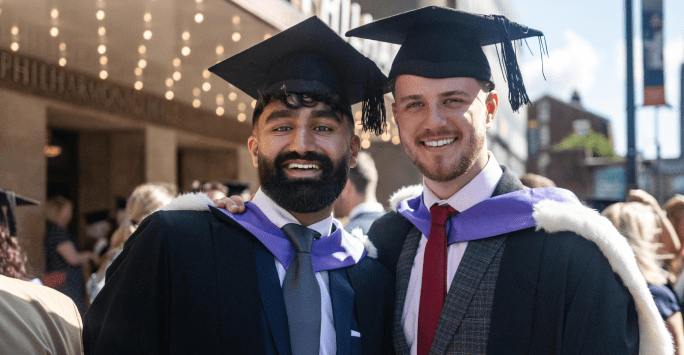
[(234, 204)]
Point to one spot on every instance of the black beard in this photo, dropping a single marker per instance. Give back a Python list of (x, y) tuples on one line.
[(303, 195)]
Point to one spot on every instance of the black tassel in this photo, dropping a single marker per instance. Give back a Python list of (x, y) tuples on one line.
[(373, 115), (517, 95)]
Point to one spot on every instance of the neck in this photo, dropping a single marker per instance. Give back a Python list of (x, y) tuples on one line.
[(445, 189), (307, 219)]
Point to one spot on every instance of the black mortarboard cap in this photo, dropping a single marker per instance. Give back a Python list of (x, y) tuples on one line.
[(439, 43), (12, 200), (96, 216), (309, 58)]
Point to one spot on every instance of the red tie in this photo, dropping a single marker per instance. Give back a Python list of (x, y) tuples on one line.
[(433, 289)]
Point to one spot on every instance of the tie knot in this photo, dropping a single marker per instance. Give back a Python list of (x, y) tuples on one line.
[(440, 214), (300, 237)]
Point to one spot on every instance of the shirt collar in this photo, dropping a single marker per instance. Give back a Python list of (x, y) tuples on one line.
[(477, 190), (280, 217), (366, 207)]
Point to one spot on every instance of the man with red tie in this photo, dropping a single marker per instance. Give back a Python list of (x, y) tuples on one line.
[(484, 265)]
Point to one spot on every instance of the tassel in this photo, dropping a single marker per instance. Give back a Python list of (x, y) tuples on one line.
[(517, 95), (373, 116)]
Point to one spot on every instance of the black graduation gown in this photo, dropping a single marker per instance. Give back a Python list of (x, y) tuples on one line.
[(555, 293), (196, 282)]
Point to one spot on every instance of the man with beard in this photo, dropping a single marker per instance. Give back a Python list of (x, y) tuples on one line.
[(283, 277), (482, 264)]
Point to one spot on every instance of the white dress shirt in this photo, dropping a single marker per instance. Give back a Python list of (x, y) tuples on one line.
[(476, 191), (280, 217)]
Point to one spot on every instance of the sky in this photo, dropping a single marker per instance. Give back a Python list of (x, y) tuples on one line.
[(586, 43)]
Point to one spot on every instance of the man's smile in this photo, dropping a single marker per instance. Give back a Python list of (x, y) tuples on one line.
[(438, 143)]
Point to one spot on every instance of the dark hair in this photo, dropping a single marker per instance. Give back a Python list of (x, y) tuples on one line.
[(295, 101), (364, 176), (12, 257)]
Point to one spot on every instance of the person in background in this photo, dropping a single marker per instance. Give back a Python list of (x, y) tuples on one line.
[(98, 228), (533, 180), (34, 319), (357, 201), (638, 223), (62, 251), (674, 208), (144, 200)]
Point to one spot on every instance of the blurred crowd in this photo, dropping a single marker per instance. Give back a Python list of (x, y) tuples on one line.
[(74, 274), (44, 314)]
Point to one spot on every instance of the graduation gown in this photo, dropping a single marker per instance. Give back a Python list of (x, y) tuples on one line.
[(196, 282), (551, 293)]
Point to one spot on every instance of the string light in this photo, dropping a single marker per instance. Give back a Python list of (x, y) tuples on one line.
[(206, 73), (219, 99), (147, 34), (176, 62), (219, 49), (138, 85), (54, 13), (103, 60), (232, 96), (196, 91), (241, 106), (102, 49), (103, 74), (396, 140), (138, 71), (100, 15), (241, 117), (206, 86), (386, 136), (142, 49), (14, 30), (253, 103), (169, 82), (267, 36), (14, 46), (236, 36), (185, 51), (186, 35), (101, 31), (199, 17), (147, 17), (176, 75), (62, 62), (169, 95), (62, 46), (54, 31), (142, 63), (365, 144), (220, 111), (196, 103)]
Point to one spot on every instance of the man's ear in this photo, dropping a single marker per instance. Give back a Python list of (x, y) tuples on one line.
[(354, 146), (492, 104), (253, 146)]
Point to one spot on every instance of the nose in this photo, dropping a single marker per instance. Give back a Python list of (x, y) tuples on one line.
[(302, 140), (434, 118)]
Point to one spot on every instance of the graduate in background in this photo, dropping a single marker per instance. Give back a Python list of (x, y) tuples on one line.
[(284, 277)]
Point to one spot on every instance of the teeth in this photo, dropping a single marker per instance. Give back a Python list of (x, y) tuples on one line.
[(301, 166), (439, 143)]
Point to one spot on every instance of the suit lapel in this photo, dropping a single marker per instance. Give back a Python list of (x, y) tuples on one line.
[(404, 266), (267, 285), (272, 297), (476, 260), (342, 297)]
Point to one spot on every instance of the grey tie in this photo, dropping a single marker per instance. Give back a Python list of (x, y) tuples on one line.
[(301, 293)]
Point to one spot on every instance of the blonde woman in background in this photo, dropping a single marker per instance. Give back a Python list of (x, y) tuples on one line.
[(144, 200), (638, 223)]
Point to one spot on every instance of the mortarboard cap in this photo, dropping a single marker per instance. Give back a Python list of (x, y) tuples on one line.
[(439, 43), (12, 200), (96, 216), (309, 58)]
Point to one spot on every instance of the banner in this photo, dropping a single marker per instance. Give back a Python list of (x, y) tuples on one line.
[(652, 32)]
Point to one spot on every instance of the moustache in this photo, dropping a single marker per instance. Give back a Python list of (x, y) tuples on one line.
[(325, 162)]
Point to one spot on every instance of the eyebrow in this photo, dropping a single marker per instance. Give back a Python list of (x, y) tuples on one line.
[(410, 97), (326, 114), (285, 113), (444, 94)]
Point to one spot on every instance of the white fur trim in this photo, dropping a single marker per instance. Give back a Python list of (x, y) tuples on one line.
[(552, 216), (367, 244), (404, 193), (196, 201)]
